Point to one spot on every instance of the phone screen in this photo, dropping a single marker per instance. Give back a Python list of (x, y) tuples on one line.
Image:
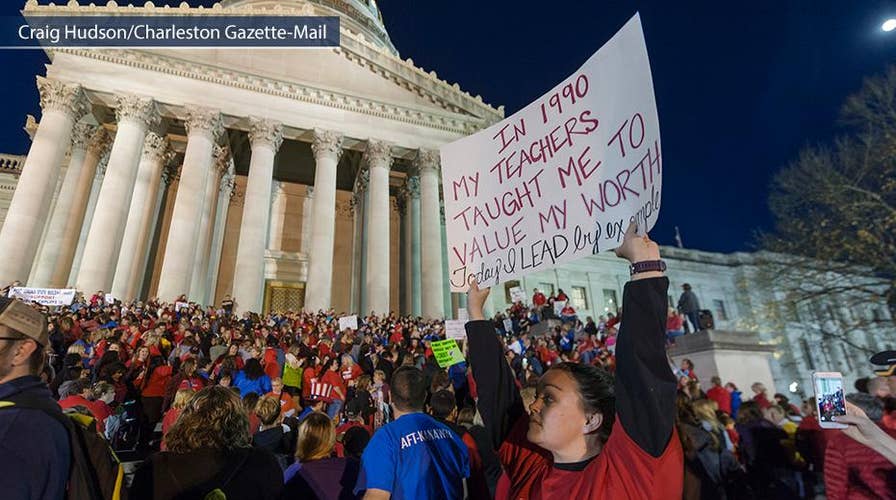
[(829, 392)]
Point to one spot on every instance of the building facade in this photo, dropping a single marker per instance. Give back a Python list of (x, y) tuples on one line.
[(300, 179), (304, 178)]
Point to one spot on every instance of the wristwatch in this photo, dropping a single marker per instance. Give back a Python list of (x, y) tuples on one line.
[(647, 265)]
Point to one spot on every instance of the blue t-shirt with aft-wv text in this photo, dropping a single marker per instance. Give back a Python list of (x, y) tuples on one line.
[(415, 457)]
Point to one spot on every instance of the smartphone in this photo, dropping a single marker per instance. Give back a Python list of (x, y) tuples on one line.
[(829, 398)]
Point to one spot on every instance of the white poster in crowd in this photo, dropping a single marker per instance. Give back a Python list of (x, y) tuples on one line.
[(44, 296), (517, 295), (563, 177), (558, 306), (463, 314), (109, 299), (348, 322), (180, 305), (454, 329), (508, 325)]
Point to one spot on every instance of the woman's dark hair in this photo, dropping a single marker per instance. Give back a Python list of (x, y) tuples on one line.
[(253, 369), (749, 411), (597, 393)]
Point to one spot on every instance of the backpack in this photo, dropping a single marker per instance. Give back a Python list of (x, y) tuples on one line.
[(95, 472)]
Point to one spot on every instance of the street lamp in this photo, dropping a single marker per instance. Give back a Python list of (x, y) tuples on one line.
[(889, 25)]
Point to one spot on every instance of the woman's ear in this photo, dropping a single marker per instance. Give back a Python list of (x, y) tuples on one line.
[(592, 423)]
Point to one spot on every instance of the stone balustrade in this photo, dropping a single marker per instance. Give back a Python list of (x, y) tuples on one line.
[(11, 163)]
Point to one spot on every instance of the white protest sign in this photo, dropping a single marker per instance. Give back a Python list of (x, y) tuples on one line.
[(109, 299), (517, 295), (454, 329), (44, 296), (508, 325), (180, 305), (563, 177), (463, 314), (348, 322), (558, 306)]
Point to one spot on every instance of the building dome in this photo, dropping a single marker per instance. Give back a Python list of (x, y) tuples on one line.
[(360, 16)]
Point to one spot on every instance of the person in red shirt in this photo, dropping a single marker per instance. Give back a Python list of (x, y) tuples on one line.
[(350, 370), (330, 375), (760, 395), (588, 436), (308, 374), (538, 299), (718, 394), (81, 391), (857, 463), (181, 398)]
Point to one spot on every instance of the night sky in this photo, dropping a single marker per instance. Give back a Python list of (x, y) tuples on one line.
[(739, 89)]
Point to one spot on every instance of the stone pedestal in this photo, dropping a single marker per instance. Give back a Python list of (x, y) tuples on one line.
[(734, 356)]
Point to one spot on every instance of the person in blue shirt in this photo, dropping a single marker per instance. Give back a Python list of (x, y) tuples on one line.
[(252, 379), (415, 456)]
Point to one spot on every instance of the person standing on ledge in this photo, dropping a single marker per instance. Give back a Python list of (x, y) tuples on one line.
[(690, 306), (587, 436)]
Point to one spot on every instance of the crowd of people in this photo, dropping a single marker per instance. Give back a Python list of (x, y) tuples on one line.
[(287, 405)]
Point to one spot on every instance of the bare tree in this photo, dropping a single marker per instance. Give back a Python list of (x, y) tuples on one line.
[(834, 242)]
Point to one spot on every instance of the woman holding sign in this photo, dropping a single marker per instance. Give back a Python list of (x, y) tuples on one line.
[(588, 436)]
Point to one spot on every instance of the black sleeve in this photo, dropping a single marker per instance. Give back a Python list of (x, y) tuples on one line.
[(645, 385), (499, 401), (142, 485)]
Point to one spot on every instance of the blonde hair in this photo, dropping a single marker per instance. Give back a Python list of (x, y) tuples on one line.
[(316, 437), (181, 398), (77, 349), (267, 409), (705, 410)]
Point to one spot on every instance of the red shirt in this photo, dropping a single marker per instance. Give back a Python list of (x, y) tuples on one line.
[(308, 374), (674, 323), (721, 397), (762, 401), (622, 470), (335, 380), (157, 382), (539, 299), (98, 409), (286, 403), (853, 471)]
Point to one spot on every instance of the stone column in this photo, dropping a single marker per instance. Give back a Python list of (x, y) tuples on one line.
[(96, 149), (135, 115), (327, 148), (63, 105), (203, 128), (364, 192), (248, 278), (430, 234), (225, 189), (415, 276), (307, 209), (53, 244), (378, 158), (95, 186), (278, 217), (199, 279), (135, 241)]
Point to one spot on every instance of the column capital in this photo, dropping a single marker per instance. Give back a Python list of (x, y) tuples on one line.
[(427, 159), (155, 147), (265, 132), (412, 186), (327, 142), (171, 174), (81, 135), (142, 110), (99, 141), (101, 166), (68, 98), (200, 120), (378, 154), (363, 180), (222, 158)]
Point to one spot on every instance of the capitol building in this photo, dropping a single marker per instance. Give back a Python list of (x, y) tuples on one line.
[(299, 179)]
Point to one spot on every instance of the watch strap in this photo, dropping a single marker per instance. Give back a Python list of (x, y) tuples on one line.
[(647, 265)]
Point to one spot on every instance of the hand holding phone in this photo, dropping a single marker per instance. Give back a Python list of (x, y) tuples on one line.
[(829, 399)]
